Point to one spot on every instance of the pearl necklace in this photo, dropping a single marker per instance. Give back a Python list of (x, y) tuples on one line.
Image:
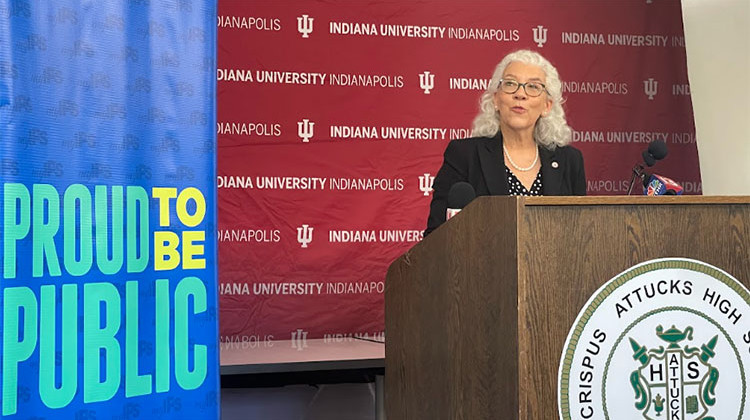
[(513, 164)]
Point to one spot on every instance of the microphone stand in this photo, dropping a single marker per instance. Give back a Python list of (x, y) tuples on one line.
[(637, 173)]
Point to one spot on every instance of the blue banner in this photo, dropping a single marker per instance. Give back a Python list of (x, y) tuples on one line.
[(108, 296)]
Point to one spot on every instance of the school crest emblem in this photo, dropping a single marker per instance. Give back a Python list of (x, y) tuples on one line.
[(666, 339)]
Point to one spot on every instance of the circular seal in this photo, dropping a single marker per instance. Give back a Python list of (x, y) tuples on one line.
[(665, 339)]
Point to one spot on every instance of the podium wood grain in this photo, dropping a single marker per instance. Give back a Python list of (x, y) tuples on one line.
[(477, 314)]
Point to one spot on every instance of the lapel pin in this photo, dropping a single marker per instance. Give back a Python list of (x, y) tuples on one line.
[(555, 165)]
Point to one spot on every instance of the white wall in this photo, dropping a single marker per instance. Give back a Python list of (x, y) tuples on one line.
[(717, 38)]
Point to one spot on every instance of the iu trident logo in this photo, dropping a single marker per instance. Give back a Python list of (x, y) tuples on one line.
[(305, 25), (304, 235), (299, 339), (650, 87), (677, 379), (305, 130), (540, 36), (426, 81), (425, 183)]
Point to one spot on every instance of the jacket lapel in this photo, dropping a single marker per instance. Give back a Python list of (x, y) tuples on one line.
[(552, 170), (493, 165)]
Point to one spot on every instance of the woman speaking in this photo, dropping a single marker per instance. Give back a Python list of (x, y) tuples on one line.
[(520, 143)]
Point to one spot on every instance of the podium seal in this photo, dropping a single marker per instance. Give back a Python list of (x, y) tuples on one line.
[(666, 339)]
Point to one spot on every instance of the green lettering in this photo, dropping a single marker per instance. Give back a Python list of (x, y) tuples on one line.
[(15, 224), (96, 339), (77, 199), (189, 286), (105, 264), (16, 350), (43, 235), (52, 396), (135, 384), (137, 229), (162, 335)]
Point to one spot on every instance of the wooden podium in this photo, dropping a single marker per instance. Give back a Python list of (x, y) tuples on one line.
[(477, 314)]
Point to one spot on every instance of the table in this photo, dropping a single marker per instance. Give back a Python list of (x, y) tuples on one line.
[(283, 362)]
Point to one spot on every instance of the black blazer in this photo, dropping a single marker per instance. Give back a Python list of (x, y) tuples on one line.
[(480, 162)]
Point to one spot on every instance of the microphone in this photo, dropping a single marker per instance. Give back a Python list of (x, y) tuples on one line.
[(657, 150), (660, 185), (648, 158), (460, 194)]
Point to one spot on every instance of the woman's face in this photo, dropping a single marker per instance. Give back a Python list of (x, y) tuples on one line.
[(519, 111)]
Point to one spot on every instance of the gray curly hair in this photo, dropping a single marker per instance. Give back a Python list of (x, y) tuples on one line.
[(550, 131)]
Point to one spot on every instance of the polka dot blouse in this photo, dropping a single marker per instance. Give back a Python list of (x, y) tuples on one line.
[(517, 188)]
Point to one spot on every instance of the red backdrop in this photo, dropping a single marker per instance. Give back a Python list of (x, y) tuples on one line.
[(325, 130)]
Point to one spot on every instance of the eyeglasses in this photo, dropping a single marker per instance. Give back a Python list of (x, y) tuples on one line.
[(531, 88)]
